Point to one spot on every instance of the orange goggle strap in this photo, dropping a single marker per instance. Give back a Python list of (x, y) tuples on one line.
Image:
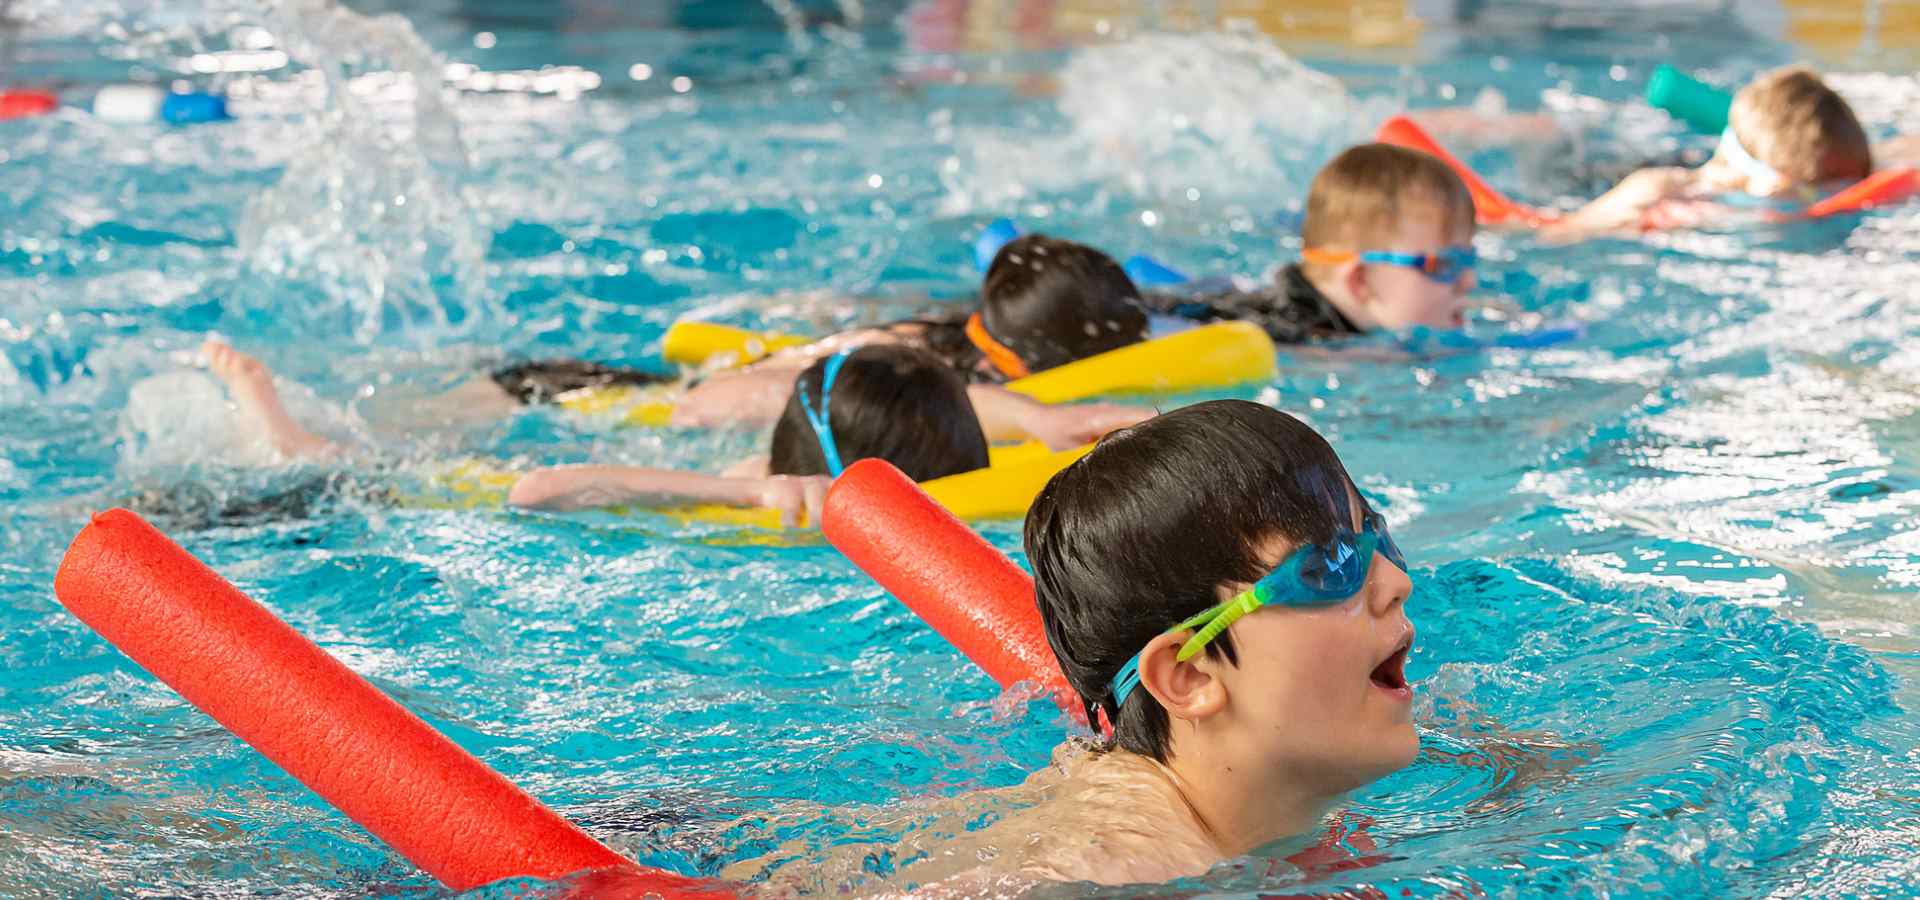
[(1324, 257), (1000, 355)]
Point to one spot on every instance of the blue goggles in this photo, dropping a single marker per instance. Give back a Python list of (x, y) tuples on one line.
[(1313, 575), (819, 419), (1445, 266)]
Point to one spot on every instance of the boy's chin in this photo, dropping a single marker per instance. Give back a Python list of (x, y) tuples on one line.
[(1396, 750)]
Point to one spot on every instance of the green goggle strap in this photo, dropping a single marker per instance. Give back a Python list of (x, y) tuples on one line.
[(1216, 620)]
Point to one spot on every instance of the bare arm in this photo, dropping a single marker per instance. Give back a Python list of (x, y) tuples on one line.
[(1007, 416), (594, 486), (1901, 151), (1480, 126), (1625, 207), (745, 398), (753, 397)]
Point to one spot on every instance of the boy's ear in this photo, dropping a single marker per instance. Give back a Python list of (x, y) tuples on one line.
[(1352, 275), (1187, 690)]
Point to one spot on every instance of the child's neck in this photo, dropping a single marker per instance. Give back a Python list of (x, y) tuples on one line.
[(1342, 301), (1243, 807)]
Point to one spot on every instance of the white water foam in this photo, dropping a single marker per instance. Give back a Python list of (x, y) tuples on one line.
[(1228, 117)]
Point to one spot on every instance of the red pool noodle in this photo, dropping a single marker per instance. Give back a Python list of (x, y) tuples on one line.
[(1490, 206), (971, 593), (382, 766), (1879, 189), (19, 104)]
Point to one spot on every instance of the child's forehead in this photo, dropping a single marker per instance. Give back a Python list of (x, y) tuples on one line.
[(1348, 508), (1428, 226), (1442, 216)]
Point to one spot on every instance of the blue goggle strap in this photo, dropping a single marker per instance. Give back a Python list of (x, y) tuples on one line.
[(821, 419), (1445, 265), (1125, 680)]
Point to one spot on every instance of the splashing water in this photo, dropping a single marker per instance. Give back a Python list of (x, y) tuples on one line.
[(1225, 113), (369, 219), (1228, 117)]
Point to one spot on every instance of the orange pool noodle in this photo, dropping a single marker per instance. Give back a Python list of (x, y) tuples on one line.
[(1879, 189), (971, 593), (1490, 206), (409, 785)]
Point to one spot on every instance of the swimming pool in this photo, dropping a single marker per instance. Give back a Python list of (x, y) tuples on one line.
[(1666, 572)]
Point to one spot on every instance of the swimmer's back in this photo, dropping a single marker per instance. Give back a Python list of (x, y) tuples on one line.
[(1291, 310), (540, 381)]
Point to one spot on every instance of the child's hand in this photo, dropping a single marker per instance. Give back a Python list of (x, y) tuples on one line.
[(799, 498), (1647, 187), (1674, 213), (1065, 427), (1626, 207)]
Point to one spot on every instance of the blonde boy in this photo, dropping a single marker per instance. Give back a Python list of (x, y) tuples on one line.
[(1388, 238), (1788, 134)]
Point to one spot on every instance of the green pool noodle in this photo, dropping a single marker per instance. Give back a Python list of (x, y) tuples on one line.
[(1687, 99)]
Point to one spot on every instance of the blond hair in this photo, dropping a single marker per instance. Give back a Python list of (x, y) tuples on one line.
[(1357, 201), (1789, 119)]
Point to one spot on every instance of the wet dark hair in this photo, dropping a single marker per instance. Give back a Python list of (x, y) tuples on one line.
[(1139, 534), (1053, 301), (897, 403)]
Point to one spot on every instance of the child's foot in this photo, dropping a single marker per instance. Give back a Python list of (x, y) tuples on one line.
[(250, 383)]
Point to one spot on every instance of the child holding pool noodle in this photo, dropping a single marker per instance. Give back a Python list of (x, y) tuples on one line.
[(891, 402), (1788, 137), (884, 401), (1388, 237), (1044, 302)]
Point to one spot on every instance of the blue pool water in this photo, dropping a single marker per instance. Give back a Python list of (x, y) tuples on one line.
[(1666, 572)]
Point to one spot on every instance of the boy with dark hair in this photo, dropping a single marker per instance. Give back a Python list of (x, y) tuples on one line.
[(1214, 586), (888, 402), (1045, 302)]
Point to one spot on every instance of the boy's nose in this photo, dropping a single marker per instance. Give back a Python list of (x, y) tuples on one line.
[(1465, 284), (1388, 587)]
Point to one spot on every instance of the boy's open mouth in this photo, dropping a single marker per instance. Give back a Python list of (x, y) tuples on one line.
[(1391, 674)]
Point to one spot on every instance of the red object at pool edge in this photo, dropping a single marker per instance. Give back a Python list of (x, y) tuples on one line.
[(20, 104)]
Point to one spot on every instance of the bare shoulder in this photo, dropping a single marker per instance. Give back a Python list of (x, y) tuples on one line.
[(1111, 818)]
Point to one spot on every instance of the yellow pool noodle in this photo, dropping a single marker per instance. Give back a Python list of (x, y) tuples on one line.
[(1218, 355), (698, 343), (644, 406), (1222, 354), (1000, 491)]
